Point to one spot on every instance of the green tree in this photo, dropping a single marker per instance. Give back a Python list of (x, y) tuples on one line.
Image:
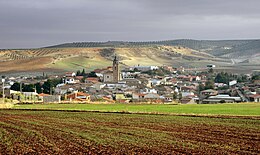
[(175, 95), (92, 74), (83, 73), (211, 71), (201, 87), (28, 88), (15, 86), (78, 73), (38, 87), (222, 78), (256, 77), (180, 95), (49, 84), (209, 84)]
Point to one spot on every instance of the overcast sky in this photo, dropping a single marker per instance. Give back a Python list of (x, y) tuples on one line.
[(38, 23)]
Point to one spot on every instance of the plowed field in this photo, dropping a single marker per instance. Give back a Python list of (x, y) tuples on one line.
[(57, 132)]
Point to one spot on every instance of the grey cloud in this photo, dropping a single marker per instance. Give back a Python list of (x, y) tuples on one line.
[(37, 23)]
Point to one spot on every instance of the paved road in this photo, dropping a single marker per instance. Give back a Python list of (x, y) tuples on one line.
[(233, 62)]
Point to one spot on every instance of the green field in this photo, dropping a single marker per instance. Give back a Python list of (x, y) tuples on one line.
[(60, 132), (207, 109), (79, 63)]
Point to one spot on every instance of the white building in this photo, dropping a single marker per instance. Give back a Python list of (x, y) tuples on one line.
[(144, 68), (70, 80)]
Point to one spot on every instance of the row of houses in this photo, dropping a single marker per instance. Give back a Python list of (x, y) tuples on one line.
[(135, 84)]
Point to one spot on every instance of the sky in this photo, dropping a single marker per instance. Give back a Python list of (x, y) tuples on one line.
[(40, 23)]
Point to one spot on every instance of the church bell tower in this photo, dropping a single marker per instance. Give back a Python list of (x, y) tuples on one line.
[(115, 70)]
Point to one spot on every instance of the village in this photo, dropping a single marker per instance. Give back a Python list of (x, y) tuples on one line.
[(136, 84)]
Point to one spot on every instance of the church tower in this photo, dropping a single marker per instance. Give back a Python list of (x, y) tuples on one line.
[(115, 70)]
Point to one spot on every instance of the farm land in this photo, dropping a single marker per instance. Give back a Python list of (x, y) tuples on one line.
[(83, 132), (241, 109)]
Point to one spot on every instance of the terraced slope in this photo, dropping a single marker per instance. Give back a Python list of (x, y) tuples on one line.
[(71, 59), (229, 55)]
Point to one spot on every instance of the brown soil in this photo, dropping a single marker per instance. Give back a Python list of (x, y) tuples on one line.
[(39, 132)]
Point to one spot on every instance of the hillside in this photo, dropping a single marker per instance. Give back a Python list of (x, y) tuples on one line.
[(67, 59), (232, 55)]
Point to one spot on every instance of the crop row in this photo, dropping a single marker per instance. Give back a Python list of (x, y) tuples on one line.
[(103, 133), (43, 52), (16, 56)]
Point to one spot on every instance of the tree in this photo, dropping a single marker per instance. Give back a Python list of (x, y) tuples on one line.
[(175, 95), (15, 86), (28, 88), (49, 84), (83, 73), (180, 95), (201, 87), (78, 73), (92, 74), (256, 77), (136, 70), (211, 71), (38, 87), (209, 84), (222, 78)]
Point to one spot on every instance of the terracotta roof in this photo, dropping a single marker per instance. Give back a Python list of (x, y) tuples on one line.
[(73, 95), (255, 96), (79, 77), (42, 94)]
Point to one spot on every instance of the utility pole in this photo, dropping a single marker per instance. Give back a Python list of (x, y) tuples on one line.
[(3, 81)]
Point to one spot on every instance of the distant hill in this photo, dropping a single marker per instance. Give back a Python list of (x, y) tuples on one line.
[(214, 47), (225, 54), (247, 50), (193, 44)]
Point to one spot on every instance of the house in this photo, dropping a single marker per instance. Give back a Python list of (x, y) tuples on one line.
[(147, 91), (70, 74), (79, 96), (184, 94), (70, 80), (223, 98), (254, 98), (153, 82), (52, 99), (92, 79), (144, 68), (151, 96), (98, 86), (190, 99), (145, 97), (138, 96), (185, 78), (209, 92), (188, 88), (168, 97), (120, 97), (168, 68), (132, 82), (128, 75), (79, 78), (196, 78), (42, 95)]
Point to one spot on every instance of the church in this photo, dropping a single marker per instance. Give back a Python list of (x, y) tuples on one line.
[(114, 75)]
